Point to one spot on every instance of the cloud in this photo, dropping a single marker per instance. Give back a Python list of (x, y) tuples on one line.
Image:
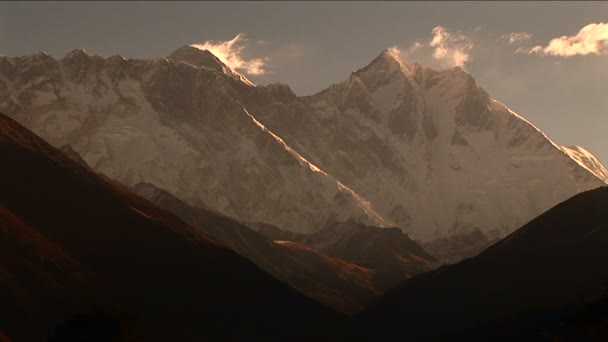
[(591, 39), (445, 49), (516, 37), (450, 48), (231, 52), (395, 50)]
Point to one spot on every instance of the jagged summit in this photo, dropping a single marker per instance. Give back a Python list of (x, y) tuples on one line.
[(386, 64), (188, 54), (198, 58), (82, 53), (201, 58), (389, 61), (41, 54), (76, 53), (37, 58), (388, 56)]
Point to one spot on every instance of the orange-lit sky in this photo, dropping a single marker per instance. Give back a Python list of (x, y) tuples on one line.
[(507, 46)]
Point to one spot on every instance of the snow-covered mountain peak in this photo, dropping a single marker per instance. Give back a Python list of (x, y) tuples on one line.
[(198, 58), (38, 58), (388, 56), (202, 58), (81, 54), (390, 63), (75, 53), (41, 55), (397, 95), (405, 136), (384, 67)]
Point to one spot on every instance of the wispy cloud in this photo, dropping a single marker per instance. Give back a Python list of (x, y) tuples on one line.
[(231, 52), (445, 48), (591, 39), (451, 48), (517, 37), (395, 50)]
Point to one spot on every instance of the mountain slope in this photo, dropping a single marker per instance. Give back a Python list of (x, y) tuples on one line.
[(338, 284), (430, 150), (36, 276), (459, 246), (178, 123), (75, 239), (558, 260), (388, 251), (581, 322)]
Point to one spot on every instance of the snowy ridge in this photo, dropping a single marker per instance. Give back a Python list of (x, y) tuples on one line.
[(179, 125), (369, 210), (579, 154), (296, 155), (587, 160), (393, 145), (430, 150), (205, 59)]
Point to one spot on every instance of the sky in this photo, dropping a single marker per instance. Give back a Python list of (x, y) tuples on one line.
[(548, 61)]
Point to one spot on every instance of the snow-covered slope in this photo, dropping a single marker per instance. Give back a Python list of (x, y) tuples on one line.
[(430, 150), (176, 122)]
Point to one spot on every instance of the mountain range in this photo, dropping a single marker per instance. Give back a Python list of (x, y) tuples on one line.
[(374, 149), (431, 150), (174, 199), (76, 244)]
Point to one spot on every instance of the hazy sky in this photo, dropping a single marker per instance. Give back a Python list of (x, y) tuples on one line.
[(560, 85)]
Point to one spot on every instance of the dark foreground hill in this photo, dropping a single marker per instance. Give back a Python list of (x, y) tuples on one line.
[(546, 271), (71, 240), (341, 285)]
